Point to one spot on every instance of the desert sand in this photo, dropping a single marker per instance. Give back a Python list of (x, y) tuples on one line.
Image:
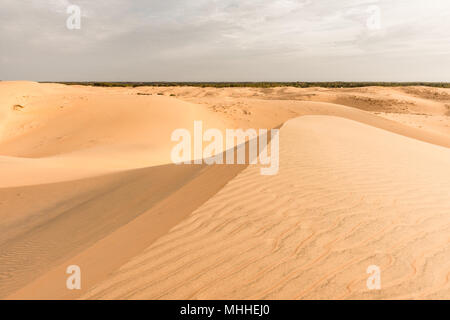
[(87, 180)]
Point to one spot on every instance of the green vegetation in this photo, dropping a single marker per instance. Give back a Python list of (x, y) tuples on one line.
[(337, 84)]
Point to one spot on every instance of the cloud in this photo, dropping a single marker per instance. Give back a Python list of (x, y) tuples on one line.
[(231, 40)]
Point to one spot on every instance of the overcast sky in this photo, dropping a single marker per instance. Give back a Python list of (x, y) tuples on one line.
[(226, 40)]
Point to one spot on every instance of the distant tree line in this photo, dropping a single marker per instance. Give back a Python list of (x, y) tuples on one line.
[(337, 84)]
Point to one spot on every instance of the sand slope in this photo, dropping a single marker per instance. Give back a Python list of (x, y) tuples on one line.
[(104, 228), (347, 196)]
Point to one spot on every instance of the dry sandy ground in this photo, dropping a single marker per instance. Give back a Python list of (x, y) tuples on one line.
[(87, 180)]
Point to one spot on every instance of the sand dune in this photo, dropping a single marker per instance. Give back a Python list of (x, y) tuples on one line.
[(341, 202), (87, 179)]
